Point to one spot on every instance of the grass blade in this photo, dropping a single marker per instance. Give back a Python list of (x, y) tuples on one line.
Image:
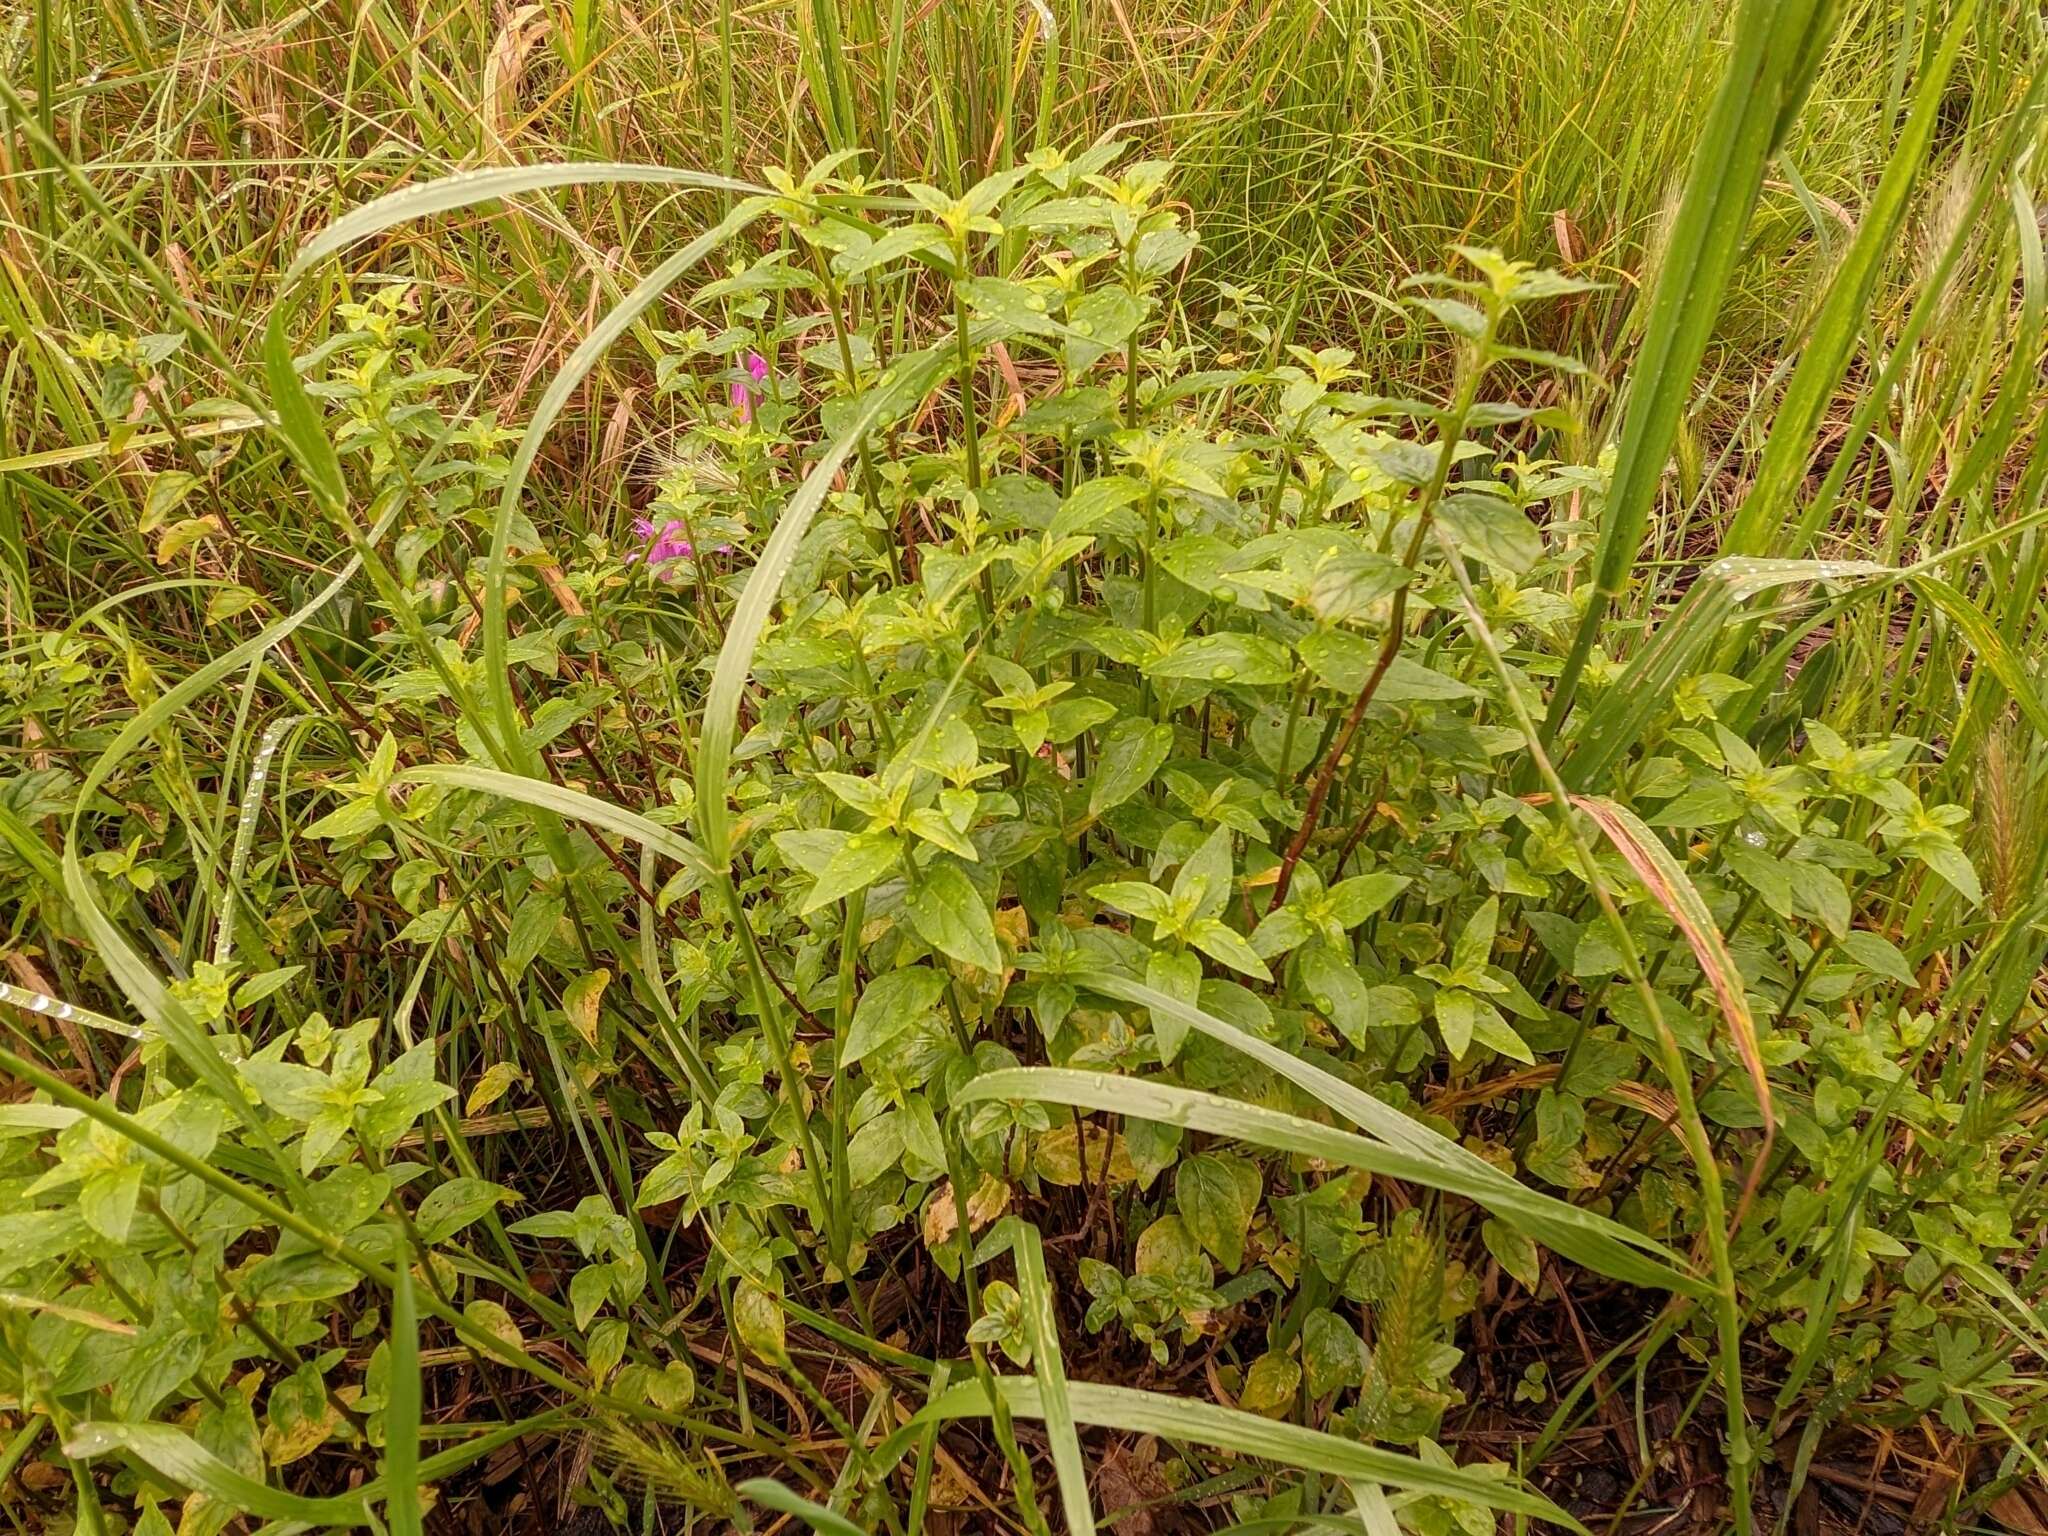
[(1588, 1238), (185, 1461), (572, 804), (402, 1409), (561, 389), (1843, 314), (1769, 68), (1042, 1328), (909, 379), (786, 1501), (1681, 645), (465, 189), (1247, 1434)]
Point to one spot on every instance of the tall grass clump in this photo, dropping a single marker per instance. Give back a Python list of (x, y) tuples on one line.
[(910, 769)]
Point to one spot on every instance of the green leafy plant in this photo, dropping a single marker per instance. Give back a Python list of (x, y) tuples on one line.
[(1057, 857)]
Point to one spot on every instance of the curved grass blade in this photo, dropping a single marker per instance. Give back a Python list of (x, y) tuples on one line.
[(1679, 646), (465, 189), (185, 1461), (1247, 1434), (554, 399), (786, 1501), (136, 978), (1385, 1123), (1672, 890), (63, 1012), (1042, 1328), (79, 453), (563, 801), (245, 833), (1581, 1235), (1989, 646), (909, 379)]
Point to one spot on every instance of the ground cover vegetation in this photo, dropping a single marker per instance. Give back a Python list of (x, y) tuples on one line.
[(954, 767)]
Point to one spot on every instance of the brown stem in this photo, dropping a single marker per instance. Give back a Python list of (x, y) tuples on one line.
[(1450, 430), (1328, 772)]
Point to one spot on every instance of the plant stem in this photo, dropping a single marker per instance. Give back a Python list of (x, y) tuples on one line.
[(1472, 367)]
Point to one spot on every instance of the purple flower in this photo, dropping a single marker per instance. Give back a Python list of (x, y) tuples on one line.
[(743, 396), (664, 544)]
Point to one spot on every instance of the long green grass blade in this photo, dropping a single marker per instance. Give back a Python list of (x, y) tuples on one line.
[(185, 1461), (907, 380), (554, 399), (572, 804), (1682, 644), (1041, 1326), (1843, 313), (783, 1500), (1590, 1239), (402, 1402), (1769, 69), (1247, 1434), (465, 189)]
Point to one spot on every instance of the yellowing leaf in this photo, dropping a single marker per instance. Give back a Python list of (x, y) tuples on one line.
[(183, 535), (987, 1203), (490, 1088), (580, 1001), (1065, 1157)]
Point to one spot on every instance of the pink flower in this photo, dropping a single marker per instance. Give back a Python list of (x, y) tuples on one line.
[(664, 544), (743, 396)]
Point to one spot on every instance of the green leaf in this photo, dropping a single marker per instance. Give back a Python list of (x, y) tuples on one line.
[(107, 1200), (1132, 751), (1015, 306), (1516, 1253), (1877, 954), (1226, 660), (532, 926), (893, 1002), (298, 421), (1099, 323), (588, 1288), (1178, 974), (1332, 1353), (1337, 991), (1457, 1015), (1491, 530), (1216, 1195), (1204, 880), (1270, 1385), (1353, 901), (758, 1322), (1221, 942), (450, 1207), (949, 914), (1145, 902), (862, 859)]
